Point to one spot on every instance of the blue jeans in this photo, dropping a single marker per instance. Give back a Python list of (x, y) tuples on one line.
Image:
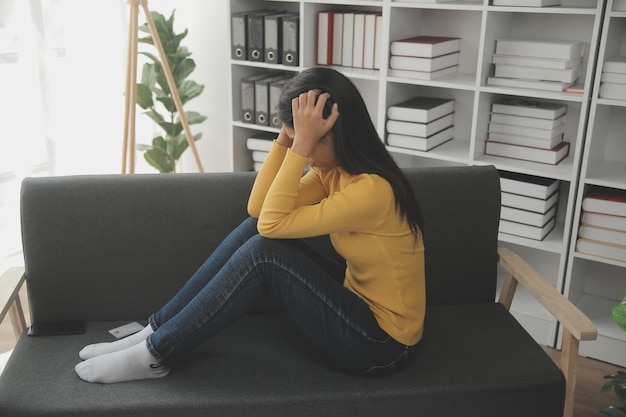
[(241, 269)]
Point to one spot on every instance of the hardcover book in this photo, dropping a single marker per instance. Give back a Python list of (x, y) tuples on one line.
[(611, 237), (529, 107), (531, 84), (529, 61), (527, 217), (548, 74), (605, 201), (419, 129), (602, 250), (545, 156), (527, 131), (613, 91), (524, 140), (514, 120), (423, 75), (527, 3), (525, 230), (425, 46), (523, 202), (605, 221), (420, 143), (421, 109), (409, 63), (539, 48), (615, 64), (528, 185)]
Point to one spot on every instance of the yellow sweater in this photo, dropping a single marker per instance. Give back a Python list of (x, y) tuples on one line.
[(385, 264)]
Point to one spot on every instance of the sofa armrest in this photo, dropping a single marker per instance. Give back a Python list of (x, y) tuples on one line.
[(11, 282), (576, 325)]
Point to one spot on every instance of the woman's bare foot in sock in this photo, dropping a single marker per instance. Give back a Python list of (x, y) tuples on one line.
[(97, 349)]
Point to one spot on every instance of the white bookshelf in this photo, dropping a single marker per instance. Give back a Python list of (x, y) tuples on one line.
[(479, 25), (597, 284)]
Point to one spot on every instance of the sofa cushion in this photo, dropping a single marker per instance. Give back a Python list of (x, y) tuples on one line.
[(261, 367)]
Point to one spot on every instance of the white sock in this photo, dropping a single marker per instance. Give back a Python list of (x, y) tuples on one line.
[(91, 351), (129, 364)]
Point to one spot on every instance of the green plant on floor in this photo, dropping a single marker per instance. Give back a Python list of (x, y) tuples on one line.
[(154, 95), (617, 381)]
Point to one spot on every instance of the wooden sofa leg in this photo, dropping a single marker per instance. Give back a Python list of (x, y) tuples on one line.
[(569, 364), (18, 321)]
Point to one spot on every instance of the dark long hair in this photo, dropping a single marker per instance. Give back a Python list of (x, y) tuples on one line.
[(358, 148)]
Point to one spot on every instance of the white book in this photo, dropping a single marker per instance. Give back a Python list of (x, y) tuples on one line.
[(259, 144), (528, 107), (369, 41), (523, 202), (324, 29), (337, 38), (423, 75), (419, 129), (529, 61), (605, 201), (425, 46), (378, 42), (526, 153), (526, 131), (605, 221), (527, 3), (548, 74), (515, 120), (612, 237), (602, 250), (420, 143), (411, 63), (527, 231), (539, 48), (615, 64), (259, 156), (524, 140), (348, 39), (613, 91), (528, 185), (613, 77), (531, 84), (527, 217), (421, 109), (359, 40)]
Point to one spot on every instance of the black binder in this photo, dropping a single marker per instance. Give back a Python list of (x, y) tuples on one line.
[(239, 36), (256, 35), (262, 99), (247, 97), (291, 40), (273, 38), (275, 89)]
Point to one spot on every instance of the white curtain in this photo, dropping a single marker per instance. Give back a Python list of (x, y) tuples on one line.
[(62, 76)]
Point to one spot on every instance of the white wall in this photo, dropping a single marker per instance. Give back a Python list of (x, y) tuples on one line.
[(208, 40)]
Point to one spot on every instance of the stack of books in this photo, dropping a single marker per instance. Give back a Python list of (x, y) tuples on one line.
[(528, 205), (424, 57), (259, 146), (420, 123), (613, 78), (528, 130), (536, 64), (602, 231), (349, 38)]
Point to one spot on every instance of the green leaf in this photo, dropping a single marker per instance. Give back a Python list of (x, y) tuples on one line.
[(144, 96), (194, 117), (188, 90), (159, 160), (155, 116), (619, 314), (611, 412)]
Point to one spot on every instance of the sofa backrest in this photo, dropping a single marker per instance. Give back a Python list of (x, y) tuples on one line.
[(116, 247)]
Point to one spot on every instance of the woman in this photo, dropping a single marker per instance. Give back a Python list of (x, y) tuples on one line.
[(366, 317)]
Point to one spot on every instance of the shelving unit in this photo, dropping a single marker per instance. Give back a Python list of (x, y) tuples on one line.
[(597, 284), (479, 24)]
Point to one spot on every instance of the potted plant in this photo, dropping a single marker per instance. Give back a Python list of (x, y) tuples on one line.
[(154, 95), (617, 381)]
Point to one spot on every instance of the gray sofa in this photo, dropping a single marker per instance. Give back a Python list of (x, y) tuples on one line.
[(94, 244)]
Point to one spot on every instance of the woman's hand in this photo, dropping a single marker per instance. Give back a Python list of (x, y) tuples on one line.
[(308, 121)]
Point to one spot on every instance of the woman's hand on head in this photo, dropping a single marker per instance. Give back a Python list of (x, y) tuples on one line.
[(308, 120)]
